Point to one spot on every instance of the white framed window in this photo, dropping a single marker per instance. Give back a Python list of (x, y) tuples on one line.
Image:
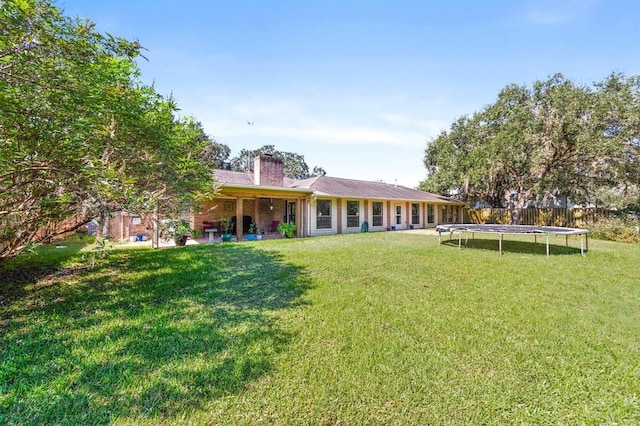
[(353, 214), (377, 214), (323, 214), (415, 214)]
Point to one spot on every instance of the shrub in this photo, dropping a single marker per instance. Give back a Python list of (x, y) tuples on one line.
[(178, 230), (287, 229), (624, 230)]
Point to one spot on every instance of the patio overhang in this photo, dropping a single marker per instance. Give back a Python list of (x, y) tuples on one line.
[(233, 190)]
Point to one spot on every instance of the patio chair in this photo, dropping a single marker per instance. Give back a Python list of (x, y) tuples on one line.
[(274, 225)]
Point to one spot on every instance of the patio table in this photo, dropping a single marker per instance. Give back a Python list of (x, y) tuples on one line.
[(212, 233)]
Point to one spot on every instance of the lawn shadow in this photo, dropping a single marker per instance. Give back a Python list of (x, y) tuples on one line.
[(148, 335), (516, 246), (46, 262)]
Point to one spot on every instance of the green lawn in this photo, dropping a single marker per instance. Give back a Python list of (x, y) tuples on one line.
[(378, 328)]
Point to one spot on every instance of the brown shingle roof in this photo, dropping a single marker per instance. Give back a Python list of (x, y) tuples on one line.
[(241, 178), (238, 178), (339, 187)]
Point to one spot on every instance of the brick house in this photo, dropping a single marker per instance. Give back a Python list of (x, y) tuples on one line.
[(320, 205)]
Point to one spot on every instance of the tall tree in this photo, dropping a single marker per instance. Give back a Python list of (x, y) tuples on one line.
[(318, 171), (555, 139), (80, 136), (295, 166), (216, 154)]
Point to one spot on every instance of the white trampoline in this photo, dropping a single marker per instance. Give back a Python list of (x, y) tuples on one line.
[(464, 229)]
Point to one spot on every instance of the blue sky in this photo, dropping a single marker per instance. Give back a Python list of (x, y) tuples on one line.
[(360, 87)]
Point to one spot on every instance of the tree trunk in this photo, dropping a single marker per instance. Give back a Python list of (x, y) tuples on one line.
[(515, 216), (518, 202), (102, 230), (155, 242)]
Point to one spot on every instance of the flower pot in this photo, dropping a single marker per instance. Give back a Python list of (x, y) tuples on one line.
[(181, 240), (251, 237), (226, 238), (259, 237)]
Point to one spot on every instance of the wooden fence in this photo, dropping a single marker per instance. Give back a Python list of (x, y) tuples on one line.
[(575, 218)]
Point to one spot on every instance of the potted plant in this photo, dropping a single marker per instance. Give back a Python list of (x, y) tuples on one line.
[(252, 232), (225, 225), (177, 229), (287, 229)]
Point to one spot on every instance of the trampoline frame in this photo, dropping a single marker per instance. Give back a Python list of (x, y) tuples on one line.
[(502, 230)]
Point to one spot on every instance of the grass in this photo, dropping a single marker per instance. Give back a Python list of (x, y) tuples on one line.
[(379, 328)]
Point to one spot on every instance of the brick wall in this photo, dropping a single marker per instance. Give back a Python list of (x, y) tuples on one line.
[(122, 226), (268, 171), (269, 210), (212, 211)]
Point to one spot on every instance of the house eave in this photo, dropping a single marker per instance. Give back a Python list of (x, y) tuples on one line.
[(264, 189), (413, 200)]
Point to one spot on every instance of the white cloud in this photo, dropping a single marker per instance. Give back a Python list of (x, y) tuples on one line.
[(363, 121), (555, 12), (336, 134)]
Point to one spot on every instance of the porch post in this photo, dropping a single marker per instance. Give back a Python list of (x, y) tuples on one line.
[(256, 213), (306, 222), (239, 221), (407, 216), (339, 203), (424, 215), (366, 211), (298, 222)]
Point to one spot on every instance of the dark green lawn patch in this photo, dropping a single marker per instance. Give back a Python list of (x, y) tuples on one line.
[(387, 328), (62, 258), (147, 334)]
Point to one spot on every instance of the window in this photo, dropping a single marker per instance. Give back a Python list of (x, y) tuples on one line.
[(377, 213), (398, 215), (353, 214), (415, 214), (430, 218), (449, 214), (453, 212), (323, 218)]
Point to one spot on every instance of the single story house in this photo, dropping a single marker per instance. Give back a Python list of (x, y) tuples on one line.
[(320, 205)]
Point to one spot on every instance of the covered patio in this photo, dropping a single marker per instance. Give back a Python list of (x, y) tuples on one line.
[(244, 206)]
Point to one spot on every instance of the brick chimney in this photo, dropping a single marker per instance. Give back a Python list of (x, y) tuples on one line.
[(268, 171)]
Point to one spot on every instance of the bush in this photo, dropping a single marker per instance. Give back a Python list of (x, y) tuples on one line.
[(624, 230), (178, 230), (287, 229)]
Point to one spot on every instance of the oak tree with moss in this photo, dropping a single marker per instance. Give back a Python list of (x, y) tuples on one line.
[(554, 140)]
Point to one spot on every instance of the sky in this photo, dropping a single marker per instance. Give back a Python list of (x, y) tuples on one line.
[(360, 87)]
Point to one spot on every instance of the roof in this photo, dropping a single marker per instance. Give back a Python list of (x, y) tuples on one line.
[(242, 178), (239, 178), (338, 187)]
